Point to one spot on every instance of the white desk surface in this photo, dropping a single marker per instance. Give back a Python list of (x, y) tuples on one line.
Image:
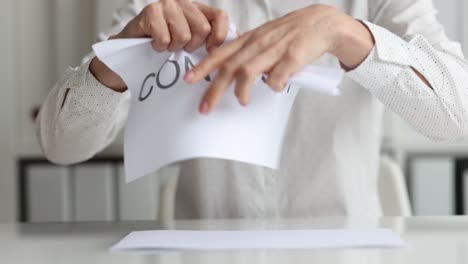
[(431, 240)]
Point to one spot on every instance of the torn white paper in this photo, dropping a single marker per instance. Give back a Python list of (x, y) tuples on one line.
[(164, 125), (271, 239)]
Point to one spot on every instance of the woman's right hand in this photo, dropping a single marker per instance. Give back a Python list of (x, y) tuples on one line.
[(173, 25)]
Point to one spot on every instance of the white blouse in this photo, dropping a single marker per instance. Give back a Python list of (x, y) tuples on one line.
[(331, 152)]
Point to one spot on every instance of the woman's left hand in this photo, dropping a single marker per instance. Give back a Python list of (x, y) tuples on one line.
[(281, 48)]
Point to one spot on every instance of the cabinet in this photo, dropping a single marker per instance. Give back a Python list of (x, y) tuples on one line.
[(93, 191), (48, 194), (432, 184), (138, 200)]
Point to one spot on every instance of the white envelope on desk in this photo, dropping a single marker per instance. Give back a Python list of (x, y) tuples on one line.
[(164, 125), (258, 240)]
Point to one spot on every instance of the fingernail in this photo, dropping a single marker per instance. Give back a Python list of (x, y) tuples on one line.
[(189, 76), (204, 108), (244, 102)]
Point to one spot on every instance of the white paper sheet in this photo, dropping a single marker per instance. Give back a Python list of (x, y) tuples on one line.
[(164, 125), (271, 239)]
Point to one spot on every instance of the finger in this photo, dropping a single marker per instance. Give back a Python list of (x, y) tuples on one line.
[(250, 71), (178, 26), (292, 61), (199, 26), (154, 25), (216, 90), (234, 66), (214, 60), (219, 21), (289, 64), (220, 55), (247, 44), (226, 75)]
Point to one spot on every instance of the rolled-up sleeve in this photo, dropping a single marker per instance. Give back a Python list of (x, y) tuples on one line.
[(80, 116), (409, 39)]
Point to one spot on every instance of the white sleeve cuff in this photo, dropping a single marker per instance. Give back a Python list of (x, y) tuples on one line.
[(386, 61), (87, 91)]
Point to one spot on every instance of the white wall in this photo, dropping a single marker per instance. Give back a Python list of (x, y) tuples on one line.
[(464, 25), (34, 72), (7, 88), (40, 39), (451, 15), (51, 36), (73, 32), (104, 10)]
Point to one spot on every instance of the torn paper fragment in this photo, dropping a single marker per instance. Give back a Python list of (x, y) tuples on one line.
[(164, 125)]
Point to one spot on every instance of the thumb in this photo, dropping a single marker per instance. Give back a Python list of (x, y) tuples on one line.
[(219, 21)]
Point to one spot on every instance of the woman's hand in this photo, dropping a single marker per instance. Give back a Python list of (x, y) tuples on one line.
[(280, 48), (173, 25)]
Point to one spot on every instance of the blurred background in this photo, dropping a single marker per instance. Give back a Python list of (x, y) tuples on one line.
[(41, 38)]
